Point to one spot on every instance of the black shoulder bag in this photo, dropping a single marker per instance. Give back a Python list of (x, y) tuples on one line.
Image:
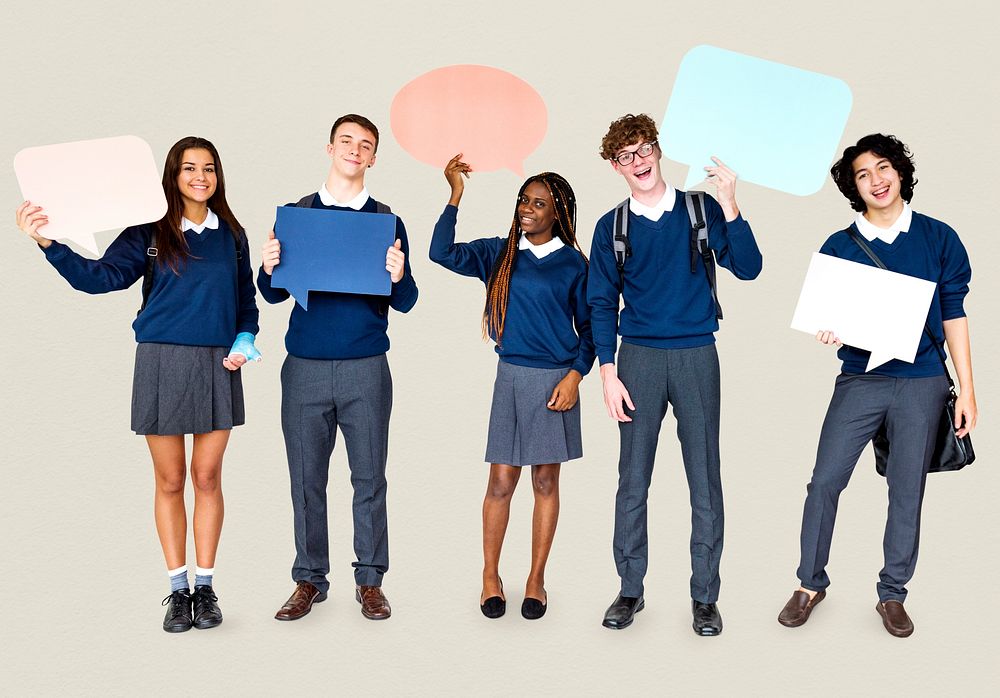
[(950, 452)]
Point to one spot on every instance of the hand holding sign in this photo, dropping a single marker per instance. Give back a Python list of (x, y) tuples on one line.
[(78, 203)]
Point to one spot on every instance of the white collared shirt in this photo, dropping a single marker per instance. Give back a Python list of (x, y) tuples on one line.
[(887, 235), (543, 250), (653, 213), (357, 203), (211, 221)]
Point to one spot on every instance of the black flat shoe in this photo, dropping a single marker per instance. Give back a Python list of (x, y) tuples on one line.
[(621, 612), (178, 618), (495, 606), (533, 609), (707, 621), (206, 611)]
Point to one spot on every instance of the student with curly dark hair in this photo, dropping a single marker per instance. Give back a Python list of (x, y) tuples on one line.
[(888, 147), (536, 312), (876, 176)]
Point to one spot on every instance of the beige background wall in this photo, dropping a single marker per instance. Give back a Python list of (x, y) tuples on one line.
[(83, 573)]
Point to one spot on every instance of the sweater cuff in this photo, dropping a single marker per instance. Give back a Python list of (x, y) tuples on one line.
[(55, 251), (582, 368), (738, 223)]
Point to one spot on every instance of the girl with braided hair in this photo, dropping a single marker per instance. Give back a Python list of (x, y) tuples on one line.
[(536, 312)]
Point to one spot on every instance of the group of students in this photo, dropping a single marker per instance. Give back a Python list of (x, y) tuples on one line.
[(550, 311)]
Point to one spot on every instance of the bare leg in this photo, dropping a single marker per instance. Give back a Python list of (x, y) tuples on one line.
[(545, 482), (206, 475), (169, 470), (496, 513)]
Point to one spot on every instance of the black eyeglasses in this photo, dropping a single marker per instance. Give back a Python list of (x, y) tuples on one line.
[(628, 156)]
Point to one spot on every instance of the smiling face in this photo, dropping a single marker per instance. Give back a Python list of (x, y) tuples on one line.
[(536, 213), (196, 180), (352, 150), (877, 181), (642, 174)]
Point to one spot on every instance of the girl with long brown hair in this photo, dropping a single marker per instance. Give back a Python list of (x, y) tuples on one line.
[(536, 312), (195, 329)]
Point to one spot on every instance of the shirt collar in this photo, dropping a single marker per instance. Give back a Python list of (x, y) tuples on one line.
[(357, 203), (887, 235), (211, 221), (653, 213), (543, 250)]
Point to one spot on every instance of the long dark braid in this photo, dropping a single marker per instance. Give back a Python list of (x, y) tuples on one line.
[(564, 227)]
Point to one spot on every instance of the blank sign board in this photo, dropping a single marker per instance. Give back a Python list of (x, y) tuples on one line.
[(89, 186)]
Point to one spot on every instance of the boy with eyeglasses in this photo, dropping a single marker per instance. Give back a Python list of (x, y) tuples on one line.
[(667, 354)]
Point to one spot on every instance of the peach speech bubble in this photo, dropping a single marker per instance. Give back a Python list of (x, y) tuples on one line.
[(495, 119), (89, 186)]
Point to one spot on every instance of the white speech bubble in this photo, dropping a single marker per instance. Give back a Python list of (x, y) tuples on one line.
[(89, 186), (865, 307)]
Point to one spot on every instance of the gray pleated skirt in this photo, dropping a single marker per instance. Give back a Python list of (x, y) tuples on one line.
[(179, 389), (523, 430)]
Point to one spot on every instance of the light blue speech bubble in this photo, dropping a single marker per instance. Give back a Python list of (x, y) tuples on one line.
[(772, 124)]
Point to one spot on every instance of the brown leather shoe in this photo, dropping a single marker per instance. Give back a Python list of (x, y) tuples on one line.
[(894, 618), (374, 605), (796, 611), (300, 602)]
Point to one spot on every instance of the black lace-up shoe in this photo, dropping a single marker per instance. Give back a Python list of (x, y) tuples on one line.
[(707, 619), (178, 618), (206, 611)]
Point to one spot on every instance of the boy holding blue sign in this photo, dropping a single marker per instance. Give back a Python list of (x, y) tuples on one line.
[(336, 374), (648, 252)]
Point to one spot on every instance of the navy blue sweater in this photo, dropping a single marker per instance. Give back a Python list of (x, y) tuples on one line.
[(666, 306), (930, 250), (343, 325), (548, 296), (207, 303)]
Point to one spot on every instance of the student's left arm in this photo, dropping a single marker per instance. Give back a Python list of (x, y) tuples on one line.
[(952, 289), (397, 263), (728, 232), (247, 314)]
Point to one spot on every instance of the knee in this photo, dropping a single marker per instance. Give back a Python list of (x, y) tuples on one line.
[(171, 484), (826, 483), (206, 480), (500, 489), (545, 485)]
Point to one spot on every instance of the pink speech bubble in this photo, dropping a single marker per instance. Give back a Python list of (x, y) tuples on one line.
[(495, 119), (89, 186)]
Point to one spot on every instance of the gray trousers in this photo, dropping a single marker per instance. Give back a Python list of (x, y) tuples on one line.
[(687, 379), (317, 396), (910, 408)]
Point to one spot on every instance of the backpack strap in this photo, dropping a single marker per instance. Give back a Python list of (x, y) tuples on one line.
[(307, 200), (623, 248), (695, 201), (147, 275)]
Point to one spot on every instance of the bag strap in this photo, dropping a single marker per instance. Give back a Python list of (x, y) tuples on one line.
[(622, 246), (697, 217), (147, 275), (927, 328)]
